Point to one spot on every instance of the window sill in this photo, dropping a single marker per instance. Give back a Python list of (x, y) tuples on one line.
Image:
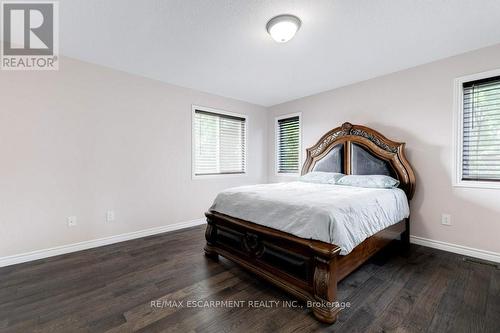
[(477, 184), (219, 176)]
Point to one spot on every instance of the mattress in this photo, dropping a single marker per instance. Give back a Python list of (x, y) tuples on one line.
[(336, 214)]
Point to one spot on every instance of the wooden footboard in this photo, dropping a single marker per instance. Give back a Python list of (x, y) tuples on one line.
[(308, 269)]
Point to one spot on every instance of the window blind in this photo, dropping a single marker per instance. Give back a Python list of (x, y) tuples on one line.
[(219, 143), (481, 130), (288, 138)]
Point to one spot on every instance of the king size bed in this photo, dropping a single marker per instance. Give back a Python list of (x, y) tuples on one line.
[(304, 237)]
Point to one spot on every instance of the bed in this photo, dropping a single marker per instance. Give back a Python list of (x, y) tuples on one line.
[(309, 262)]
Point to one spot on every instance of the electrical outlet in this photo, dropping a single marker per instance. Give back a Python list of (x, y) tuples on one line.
[(71, 221), (446, 219), (110, 215)]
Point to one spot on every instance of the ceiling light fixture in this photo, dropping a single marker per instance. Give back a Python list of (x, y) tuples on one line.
[(282, 28)]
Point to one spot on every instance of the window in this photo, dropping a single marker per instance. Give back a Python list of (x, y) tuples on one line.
[(219, 142), (288, 144), (478, 124)]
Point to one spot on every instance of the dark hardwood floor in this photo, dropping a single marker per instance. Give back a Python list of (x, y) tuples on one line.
[(110, 289)]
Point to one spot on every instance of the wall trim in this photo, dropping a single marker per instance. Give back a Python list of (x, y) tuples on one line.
[(459, 249), (64, 249), (69, 248)]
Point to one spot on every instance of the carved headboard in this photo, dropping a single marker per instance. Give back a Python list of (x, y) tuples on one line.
[(359, 150)]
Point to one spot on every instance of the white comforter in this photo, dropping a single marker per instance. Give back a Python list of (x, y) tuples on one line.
[(336, 214)]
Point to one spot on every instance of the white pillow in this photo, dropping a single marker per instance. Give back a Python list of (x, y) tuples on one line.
[(372, 181), (321, 177)]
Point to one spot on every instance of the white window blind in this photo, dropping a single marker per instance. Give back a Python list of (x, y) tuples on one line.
[(481, 130), (219, 143), (288, 145)]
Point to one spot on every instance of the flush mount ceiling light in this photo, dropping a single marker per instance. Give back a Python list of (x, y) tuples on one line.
[(282, 28)]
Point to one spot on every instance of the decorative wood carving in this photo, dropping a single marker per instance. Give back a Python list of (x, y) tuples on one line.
[(321, 278), (253, 245), (325, 289), (210, 234)]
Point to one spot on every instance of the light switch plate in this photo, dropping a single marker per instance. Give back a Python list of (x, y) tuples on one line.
[(71, 221), (446, 219), (110, 216)]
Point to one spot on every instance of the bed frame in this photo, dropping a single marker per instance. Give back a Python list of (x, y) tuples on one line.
[(310, 269)]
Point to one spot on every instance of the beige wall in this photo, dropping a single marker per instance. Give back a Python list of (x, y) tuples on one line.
[(86, 139), (415, 106)]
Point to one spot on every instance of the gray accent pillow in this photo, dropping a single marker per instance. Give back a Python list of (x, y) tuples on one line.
[(321, 177), (372, 181)]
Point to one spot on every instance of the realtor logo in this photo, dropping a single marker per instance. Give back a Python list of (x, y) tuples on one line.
[(29, 35)]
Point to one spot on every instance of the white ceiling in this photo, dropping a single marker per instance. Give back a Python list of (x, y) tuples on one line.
[(222, 47)]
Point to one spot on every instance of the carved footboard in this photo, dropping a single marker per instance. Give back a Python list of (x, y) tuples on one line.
[(307, 269), (304, 268)]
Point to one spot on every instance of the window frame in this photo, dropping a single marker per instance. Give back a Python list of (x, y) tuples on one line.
[(458, 117), (194, 176), (276, 144)]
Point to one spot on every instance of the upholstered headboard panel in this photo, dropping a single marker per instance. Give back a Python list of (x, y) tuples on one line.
[(333, 161), (363, 162), (359, 150)]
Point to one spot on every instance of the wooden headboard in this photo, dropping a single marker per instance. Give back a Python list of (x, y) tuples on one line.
[(359, 150)]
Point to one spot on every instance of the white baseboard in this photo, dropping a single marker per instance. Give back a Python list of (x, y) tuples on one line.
[(463, 250), (58, 250), (64, 249)]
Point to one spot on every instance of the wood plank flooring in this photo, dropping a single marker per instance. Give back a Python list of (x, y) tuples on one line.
[(110, 289)]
